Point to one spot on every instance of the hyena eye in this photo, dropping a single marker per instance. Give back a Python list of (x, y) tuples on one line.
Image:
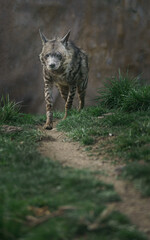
[(59, 56), (47, 55)]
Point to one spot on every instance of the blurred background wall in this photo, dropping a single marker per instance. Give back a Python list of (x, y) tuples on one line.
[(114, 33)]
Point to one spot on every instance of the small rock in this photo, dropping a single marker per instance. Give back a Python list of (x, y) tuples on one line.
[(111, 134)]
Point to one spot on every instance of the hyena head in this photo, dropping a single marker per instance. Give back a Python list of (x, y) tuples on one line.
[(54, 52)]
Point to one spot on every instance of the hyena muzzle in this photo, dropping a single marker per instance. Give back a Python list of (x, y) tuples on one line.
[(66, 66)]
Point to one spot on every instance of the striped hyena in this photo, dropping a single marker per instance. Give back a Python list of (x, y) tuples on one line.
[(66, 66)]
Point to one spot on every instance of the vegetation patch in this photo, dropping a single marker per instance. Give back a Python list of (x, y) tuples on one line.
[(124, 133), (40, 199), (115, 90), (125, 93)]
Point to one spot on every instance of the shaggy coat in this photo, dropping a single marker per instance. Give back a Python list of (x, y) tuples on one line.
[(66, 66)]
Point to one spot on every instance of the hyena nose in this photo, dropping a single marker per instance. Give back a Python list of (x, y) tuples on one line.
[(52, 65)]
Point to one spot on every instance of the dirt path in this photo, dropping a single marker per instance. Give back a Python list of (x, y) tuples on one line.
[(60, 148)]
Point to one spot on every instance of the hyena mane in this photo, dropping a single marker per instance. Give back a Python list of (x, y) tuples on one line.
[(66, 66)]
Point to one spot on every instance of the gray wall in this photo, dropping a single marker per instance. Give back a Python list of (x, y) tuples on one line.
[(115, 34)]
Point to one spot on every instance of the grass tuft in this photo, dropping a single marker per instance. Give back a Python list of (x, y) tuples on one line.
[(124, 93), (116, 89), (137, 100), (9, 110)]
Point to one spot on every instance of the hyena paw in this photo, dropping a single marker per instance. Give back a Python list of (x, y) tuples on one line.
[(48, 126), (65, 116)]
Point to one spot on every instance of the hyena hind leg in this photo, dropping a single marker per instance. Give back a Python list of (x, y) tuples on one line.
[(68, 105), (81, 96)]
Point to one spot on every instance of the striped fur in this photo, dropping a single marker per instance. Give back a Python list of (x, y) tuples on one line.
[(66, 66)]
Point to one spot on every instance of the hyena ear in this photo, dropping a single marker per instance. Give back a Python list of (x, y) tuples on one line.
[(43, 38), (64, 40)]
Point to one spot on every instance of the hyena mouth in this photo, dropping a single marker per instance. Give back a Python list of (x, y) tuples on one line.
[(53, 67), (57, 69)]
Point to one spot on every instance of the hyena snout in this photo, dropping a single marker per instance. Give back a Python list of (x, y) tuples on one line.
[(52, 65)]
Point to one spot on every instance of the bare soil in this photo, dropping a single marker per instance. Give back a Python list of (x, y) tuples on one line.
[(57, 146)]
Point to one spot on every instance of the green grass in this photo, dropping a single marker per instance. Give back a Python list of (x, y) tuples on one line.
[(9, 110), (131, 139), (138, 99), (129, 125), (140, 174), (82, 126), (29, 180), (125, 93), (115, 89)]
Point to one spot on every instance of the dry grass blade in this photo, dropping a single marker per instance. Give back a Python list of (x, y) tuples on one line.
[(10, 129), (101, 217), (35, 221)]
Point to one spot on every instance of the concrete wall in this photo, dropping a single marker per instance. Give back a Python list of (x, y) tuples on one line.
[(115, 34)]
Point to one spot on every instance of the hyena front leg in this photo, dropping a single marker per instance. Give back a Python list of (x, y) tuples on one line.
[(68, 105), (48, 89), (64, 92)]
